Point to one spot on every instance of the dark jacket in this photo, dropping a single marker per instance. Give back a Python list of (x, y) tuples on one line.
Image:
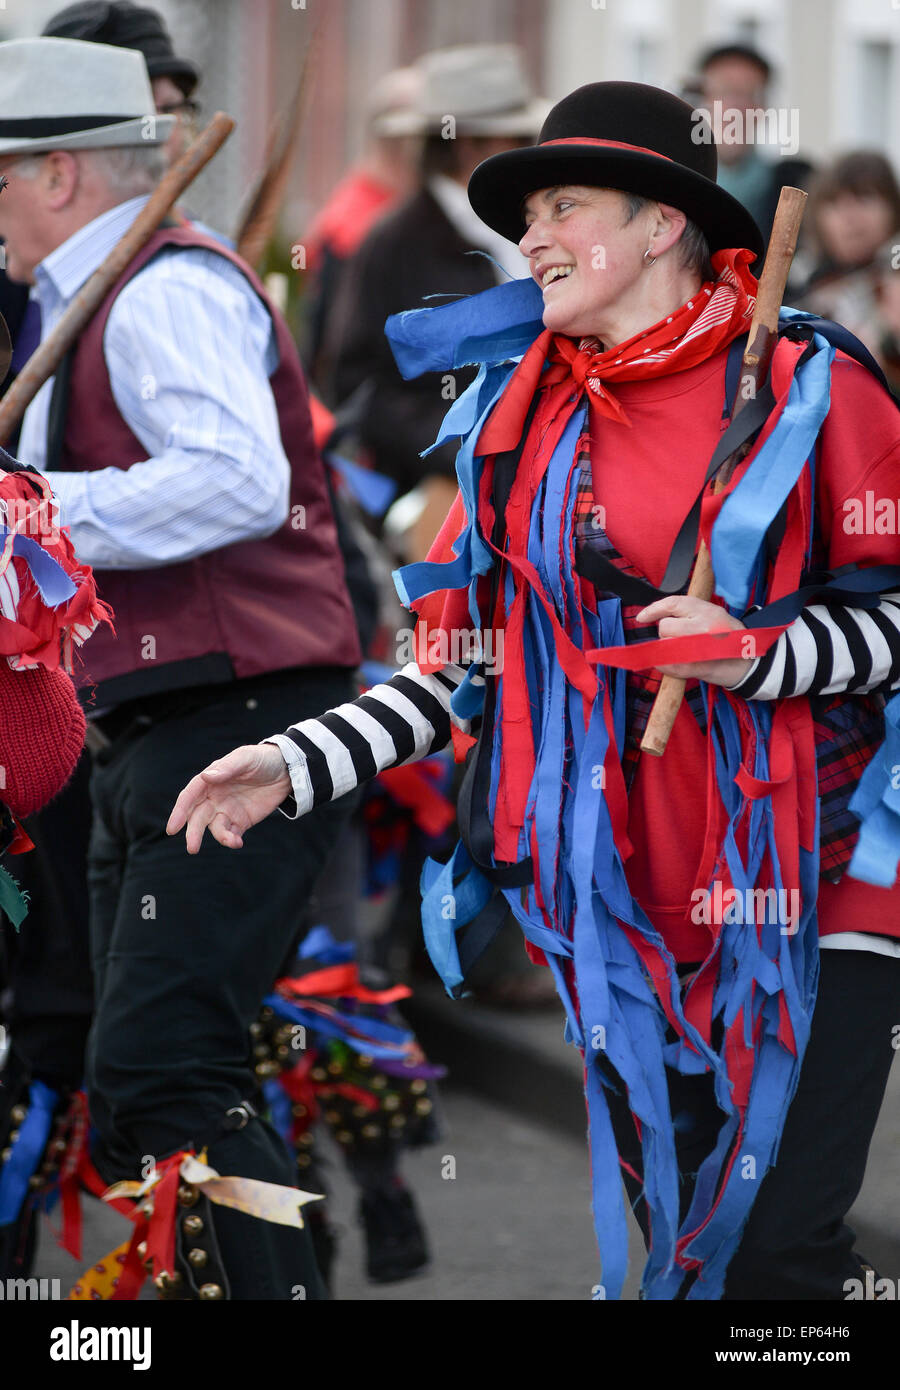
[(414, 252)]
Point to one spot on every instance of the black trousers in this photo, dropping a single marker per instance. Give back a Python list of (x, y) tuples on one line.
[(796, 1244), (184, 948)]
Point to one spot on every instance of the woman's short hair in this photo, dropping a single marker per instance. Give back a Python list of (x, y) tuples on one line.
[(693, 246)]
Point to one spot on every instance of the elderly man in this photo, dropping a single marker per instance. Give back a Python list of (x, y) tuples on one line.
[(177, 438)]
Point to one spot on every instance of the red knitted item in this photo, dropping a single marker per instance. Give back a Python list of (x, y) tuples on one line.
[(41, 736)]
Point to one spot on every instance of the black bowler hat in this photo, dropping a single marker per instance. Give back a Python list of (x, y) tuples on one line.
[(126, 26), (621, 135)]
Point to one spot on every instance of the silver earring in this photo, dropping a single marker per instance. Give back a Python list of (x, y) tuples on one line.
[(648, 259)]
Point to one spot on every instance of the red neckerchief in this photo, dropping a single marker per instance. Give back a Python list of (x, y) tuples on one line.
[(708, 321)]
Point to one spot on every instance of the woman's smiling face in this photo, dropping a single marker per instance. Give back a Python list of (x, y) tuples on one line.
[(584, 254)]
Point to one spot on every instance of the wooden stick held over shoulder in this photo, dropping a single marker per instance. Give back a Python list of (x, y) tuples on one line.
[(754, 369), (45, 360)]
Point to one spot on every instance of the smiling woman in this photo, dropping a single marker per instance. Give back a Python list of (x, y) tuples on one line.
[(590, 439), (596, 241)]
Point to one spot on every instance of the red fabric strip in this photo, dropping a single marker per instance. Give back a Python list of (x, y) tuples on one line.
[(669, 651), (339, 982), (606, 144)]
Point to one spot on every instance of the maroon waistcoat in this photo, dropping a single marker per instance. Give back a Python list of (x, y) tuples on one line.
[(256, 606)]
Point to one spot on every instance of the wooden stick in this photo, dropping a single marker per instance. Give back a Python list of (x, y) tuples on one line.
[(45, 360), (255, 229), (754, 368)]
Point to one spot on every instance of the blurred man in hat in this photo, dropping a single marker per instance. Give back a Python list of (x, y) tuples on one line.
[(733, 91), (385, 174), (192, 482), (473, 101), (173, 79)]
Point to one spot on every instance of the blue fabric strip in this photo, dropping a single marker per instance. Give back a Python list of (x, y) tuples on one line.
[(748, 512), (876, 802), (22, 1163), (54, 585)]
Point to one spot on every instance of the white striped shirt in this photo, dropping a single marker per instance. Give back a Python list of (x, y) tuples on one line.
[(189, 348)]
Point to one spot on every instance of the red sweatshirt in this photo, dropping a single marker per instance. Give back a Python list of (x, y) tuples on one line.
[(647, 475)]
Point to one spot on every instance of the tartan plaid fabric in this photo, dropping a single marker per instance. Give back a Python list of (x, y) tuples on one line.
[(641, 686), (848, 728)]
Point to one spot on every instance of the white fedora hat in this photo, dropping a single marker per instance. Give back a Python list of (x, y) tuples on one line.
[(62, 94), (483, 86)]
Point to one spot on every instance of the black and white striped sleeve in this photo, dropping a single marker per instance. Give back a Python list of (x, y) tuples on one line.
[(397, 722), (829, 650)]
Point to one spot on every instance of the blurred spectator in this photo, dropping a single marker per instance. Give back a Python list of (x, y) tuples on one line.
[(853, 215), (385, 174), (888, 261), (737, 78), (475, 101), (125, 25)]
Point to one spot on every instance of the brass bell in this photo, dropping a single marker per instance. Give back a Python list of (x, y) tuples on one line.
[(142, 1250), (59, 1146), (265, 1014), (187, 1194), (4, 1155), (371, 1131), (192, 1225), (318, 1074), (303, 1160), (167, 1284), (417, 1086), (298, 1110), (13, 1135), (364, 1061), (398, 1121), (335, 1068), (344, 1136), (211, 1291), (18, 1113), (282, 1050), (379, 1082), (390, 1102), (261, 1050), (360, 1112), (306, 1141), (198, 1257), (333, 1117), (256, 1030), (36, 1180), (268, 1068), (423, 1107)]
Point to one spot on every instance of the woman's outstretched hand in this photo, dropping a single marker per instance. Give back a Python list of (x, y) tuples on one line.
[(230, 795)]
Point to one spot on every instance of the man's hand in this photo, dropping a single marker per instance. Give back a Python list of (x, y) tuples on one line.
[(230, 795), (683, 616)]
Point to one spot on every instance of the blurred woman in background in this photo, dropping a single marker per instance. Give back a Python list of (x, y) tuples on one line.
[(854, 217)]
